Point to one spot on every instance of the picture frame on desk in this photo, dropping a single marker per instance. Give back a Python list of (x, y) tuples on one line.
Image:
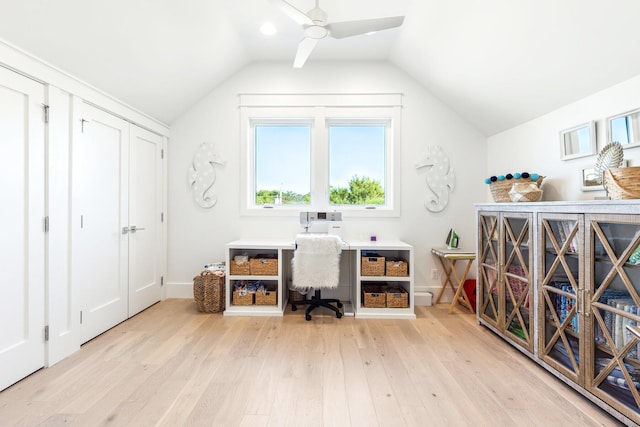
[(589, 180)]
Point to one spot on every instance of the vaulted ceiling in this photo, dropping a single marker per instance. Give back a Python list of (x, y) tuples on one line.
[(498, 63)]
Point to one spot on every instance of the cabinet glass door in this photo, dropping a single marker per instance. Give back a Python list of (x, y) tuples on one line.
[(560, 277), (488, 267), (614, 316), (516, 278)]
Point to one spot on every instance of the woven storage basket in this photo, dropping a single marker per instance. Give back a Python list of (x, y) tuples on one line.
[(397, 267), (208, 292), (622, 183), (295, 296), (529, 192), (264, 265), (397, 298), (268, 297), (372, 265), (241, 269), (500, 189), (373, 296), (240, 298)]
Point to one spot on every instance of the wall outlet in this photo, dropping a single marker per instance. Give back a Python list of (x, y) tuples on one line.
[(435, 274)]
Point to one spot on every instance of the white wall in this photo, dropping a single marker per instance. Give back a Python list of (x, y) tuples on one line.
[(535, 146), (198, 236)]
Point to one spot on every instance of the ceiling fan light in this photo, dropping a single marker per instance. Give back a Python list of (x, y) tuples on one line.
[(316, 32), (268, 29)]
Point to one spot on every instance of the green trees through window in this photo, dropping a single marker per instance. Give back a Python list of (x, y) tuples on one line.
[(360, 191)]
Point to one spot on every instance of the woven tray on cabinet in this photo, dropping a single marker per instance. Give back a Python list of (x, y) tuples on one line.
[(500, 189), (622, 183)]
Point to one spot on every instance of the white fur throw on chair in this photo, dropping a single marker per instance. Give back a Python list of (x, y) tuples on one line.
[(316, 261)]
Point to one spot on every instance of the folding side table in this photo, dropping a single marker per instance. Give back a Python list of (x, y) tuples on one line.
[(448, 259)]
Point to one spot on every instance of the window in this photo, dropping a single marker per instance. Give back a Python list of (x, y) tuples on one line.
[(282, 164), (318, 157), (357, 163)]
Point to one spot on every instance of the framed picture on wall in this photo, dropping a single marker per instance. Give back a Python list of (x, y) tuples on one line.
[(578, 141)]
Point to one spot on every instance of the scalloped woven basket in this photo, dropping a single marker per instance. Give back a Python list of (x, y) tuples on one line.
[(500, 189), (622, 183)]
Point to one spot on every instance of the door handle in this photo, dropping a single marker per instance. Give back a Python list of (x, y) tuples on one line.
[(125, 230), (133, 228)]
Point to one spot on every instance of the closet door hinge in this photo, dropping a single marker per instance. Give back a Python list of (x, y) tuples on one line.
[(81, 317), (46, 224), (162, 153), (46, 113), (46, 333), (161, 280), (161, 216)]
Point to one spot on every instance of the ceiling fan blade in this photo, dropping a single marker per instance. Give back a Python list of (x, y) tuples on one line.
[(298, 16), (305, 47), (339, 30)]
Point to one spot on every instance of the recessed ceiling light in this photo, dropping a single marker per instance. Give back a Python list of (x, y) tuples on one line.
[(268, 29), (370, 33)]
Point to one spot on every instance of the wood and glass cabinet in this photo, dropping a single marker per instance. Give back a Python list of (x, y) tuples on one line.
[(613, 277), (561, 293), (561, 282), (505, 272)]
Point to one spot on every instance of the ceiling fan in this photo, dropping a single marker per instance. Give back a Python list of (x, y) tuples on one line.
[(316, 27)]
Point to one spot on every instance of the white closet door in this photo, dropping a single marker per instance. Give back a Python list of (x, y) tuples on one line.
[(145, 207), (100, 212), (22, 214)]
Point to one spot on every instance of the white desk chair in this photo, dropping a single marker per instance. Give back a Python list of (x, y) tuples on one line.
[(316, 264)]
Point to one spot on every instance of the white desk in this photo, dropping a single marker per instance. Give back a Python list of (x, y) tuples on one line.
[(350, 276)]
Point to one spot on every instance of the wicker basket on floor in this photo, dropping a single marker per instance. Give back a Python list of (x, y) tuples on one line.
[(295, 296), (622, 183), (208, 292)]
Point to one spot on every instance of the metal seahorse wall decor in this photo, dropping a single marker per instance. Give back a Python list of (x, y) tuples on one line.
[(202, 175), (441, 178)]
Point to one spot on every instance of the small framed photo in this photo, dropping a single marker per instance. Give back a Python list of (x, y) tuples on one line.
[(589, 180)]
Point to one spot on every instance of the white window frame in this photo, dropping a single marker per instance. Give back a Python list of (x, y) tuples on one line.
[(320, 110)]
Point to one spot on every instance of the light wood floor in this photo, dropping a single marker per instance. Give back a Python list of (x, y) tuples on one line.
[(173, 366)]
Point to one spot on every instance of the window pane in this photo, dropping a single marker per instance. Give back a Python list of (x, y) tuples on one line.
[(357, 164), (283, 165)]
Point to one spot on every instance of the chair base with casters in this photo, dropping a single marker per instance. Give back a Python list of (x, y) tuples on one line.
[(317, 301)]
